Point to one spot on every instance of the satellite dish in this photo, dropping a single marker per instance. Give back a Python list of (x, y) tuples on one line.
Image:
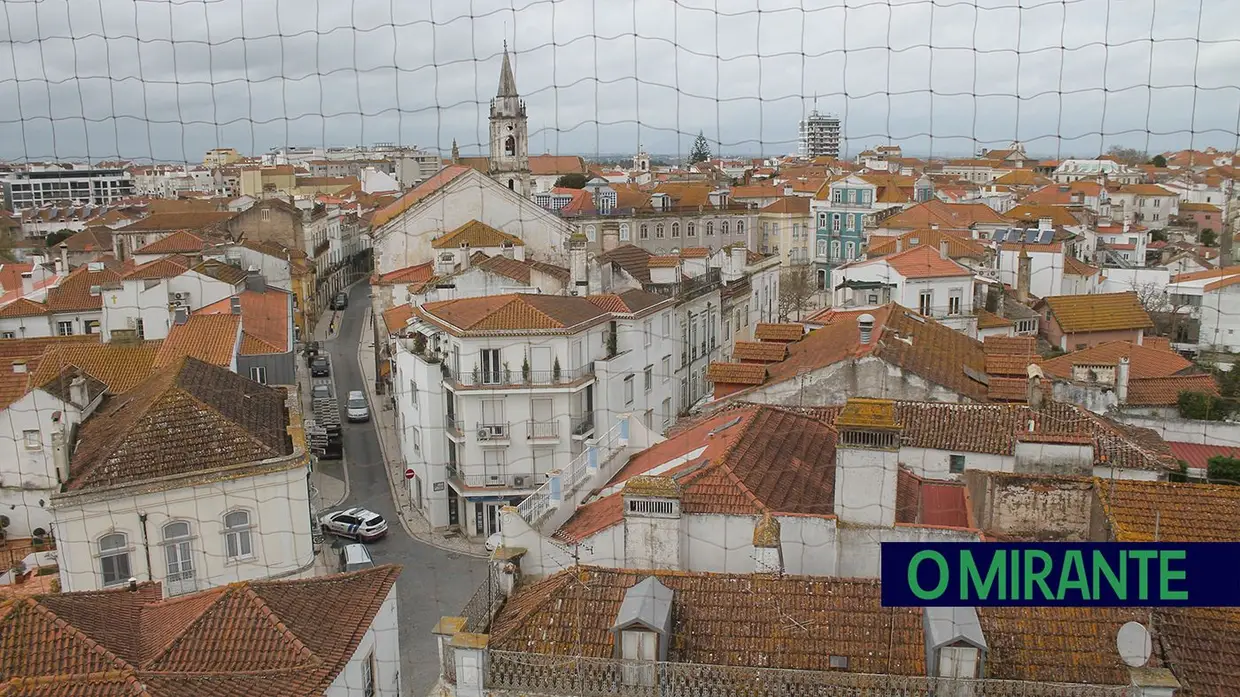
[(1134, 644)]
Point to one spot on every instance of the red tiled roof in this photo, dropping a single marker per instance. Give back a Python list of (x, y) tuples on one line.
[(548, 165), (760, 351), (164, 267), (289, 637), (786, 332), (513, 312), (1165, 391), (923, 262), (209, 338), (1076, 267), (1198, 455), (1032, 213), (1098, 312), (736, 373), (179, 242), (395, 318), (409, 274), (419, 192), (23, 307), (475, 234), (74, 292), (958, 245), (1144, 361), (796, 205), (1174, 512), (265, 320), (989, 320)]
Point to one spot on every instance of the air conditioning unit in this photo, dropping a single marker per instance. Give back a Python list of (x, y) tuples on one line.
[(518, 482), (484, 434)]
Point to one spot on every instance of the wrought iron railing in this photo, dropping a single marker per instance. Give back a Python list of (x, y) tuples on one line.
[(517, 378), (454, 425), (542, 429), (589, 677), (582, 425)]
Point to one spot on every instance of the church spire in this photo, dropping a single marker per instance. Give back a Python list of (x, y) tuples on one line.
[(507, 84), (456, 152)]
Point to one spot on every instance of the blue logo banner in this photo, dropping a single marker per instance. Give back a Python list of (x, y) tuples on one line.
[(1066, 574)]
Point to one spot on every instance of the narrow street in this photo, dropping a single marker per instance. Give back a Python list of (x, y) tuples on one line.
[(434, 582)]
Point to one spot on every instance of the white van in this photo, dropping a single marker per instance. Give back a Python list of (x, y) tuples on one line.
[(355, 557), (355, 407)]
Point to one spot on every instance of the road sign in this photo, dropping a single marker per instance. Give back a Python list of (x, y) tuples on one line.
[(409, 473)]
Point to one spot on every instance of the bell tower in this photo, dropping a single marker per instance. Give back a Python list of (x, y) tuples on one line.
[(509, 156)]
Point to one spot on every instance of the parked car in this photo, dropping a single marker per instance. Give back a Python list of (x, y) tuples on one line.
[(356, 523), (356, 408), (341, 301), (321, 390), (311, 350), (320, 367), (355, 557)]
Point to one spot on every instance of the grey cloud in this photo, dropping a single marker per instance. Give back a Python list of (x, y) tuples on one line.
[(167, 80)]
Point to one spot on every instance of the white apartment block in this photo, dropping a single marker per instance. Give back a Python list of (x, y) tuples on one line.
[(819, 135), (494, 393), (35, 188)]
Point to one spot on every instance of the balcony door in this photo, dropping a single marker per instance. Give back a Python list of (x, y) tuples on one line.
[(540, 363)]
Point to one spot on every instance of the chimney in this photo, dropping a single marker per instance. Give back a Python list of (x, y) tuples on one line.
[(180, 316), (60, 455), (867, 459), (943, 248), (27, 282), (254, 281), (1121, 380), (1033, 391), (77, 391), (118, 246), (1045, 224), (577, 262), (865, 327), (1127, 223), (464, 255), (899, 244), (768, 557), (234, 305), (64, 257), (611, 236), (1024, 270)]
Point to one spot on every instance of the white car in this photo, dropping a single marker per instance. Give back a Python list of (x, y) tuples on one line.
[(355, 523), (356, 408)]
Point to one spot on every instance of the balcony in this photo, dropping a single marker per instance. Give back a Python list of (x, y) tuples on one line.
[(494, 480), (493, 433), (512, 379), (582, 426), (455, 426), (543, 430)]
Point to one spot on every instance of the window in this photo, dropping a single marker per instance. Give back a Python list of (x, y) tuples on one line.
[(368, 676), (956, 464), (416, 437), (675, 229), (648, 419), (925, 303), (64, 328), (740, 228), (259, 374), (649, 377), (837, 196), (413, 392), (177, 551), (723, 228), (822, 248), (690, 229), (8, 335), (33, 440), (667, 368), (835, 223), (238, 543), (264, 213), (851, 249), (643, 232), (710, 229), (646, 337), (624, 232), (114, 558), (667, 412), (628, 390), (865, 195), (1157, 202), (91, 326), (958, 662), (490, 366), (510, 147), (142, 329), (954, 298), (590, 233), (658, 230), (667, 325), (835, 249)]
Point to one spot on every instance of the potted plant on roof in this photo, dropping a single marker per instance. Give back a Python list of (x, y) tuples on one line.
[(525, 369), (19, 572), (4, 524), (555, 369), (38, 538)]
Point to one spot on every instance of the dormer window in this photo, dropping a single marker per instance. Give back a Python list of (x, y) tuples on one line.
[(955, 646), (958, 662), (644, 625)]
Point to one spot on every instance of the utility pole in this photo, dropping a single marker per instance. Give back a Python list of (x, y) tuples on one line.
[(1228, 230)]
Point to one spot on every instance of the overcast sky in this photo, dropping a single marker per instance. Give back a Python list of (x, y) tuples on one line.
[(154, 79)]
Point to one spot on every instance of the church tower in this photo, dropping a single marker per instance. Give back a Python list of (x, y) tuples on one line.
[(510, 155)]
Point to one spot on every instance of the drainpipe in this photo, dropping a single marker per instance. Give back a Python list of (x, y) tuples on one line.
[(146, 545)]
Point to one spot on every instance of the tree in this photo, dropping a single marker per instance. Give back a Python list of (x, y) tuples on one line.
[(796, 291), (55, 238), (1128, 156), (1158, 161), (1201, 406), (571, 181), (700, 151), (1208, 237), (1158, 236), (1221, 469)]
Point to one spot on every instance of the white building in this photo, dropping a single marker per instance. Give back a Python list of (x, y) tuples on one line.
[(148, 297), (227, 500), (923, 278), (239, 640), (1149, 204), (493, 393), (1069, 171), (818, 135), (167, 181), (33, 188), (1210, 297)]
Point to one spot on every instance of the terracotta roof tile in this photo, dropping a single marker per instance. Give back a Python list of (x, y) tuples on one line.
[(1076, 267), (548, 165), (795, 205), (1144, 361), (188, 220), (410, 274), (922, 262), (1165, 391), (92, 239), (476, 234), (1007, 389), (410, 198), (628, 302), (1198, 455), (1145, 190), (23, 307), (958, 245), (989, 320), (633, 259), (254, 637), (508, 268), (216, 418), (179, 242), (736, 373), (760, 351), (225, 273), (664, 262), (766, 331), (1099, 312), (265, 320), (1010, 364), (1176, 512), (395, 318), (209, 338), (119, 366), (1202, 646), (757, 459), (514, 312), (694, 253), (742, 620), (164, 267), (1029, 213)]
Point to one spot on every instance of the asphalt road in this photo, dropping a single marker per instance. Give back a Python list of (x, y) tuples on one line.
[(434, 583)]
